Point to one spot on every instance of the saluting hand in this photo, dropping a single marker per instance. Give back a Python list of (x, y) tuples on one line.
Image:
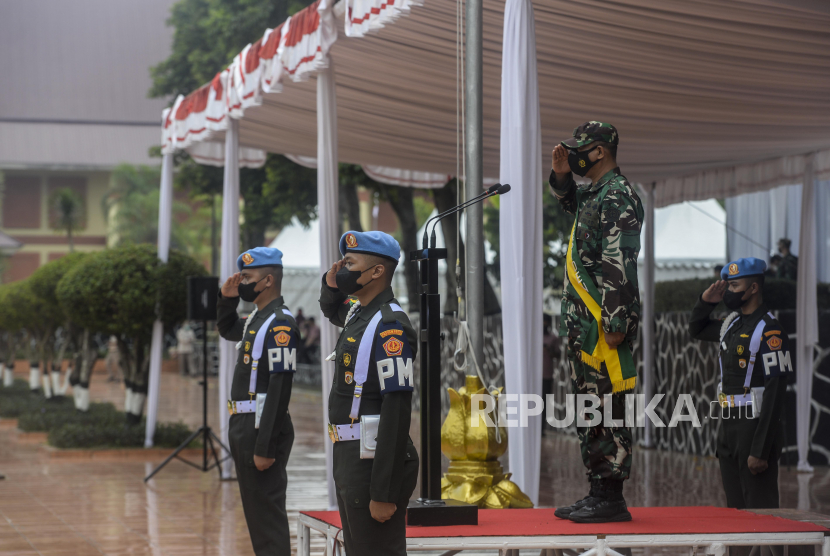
[(231, 286), (330, 275), (382, 511), (714, 293), (560, 160)]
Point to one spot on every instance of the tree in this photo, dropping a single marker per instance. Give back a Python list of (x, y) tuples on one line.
[(68, 208), (132, 204), (207, 36), (43, 284), (11, 317), (121, 292)]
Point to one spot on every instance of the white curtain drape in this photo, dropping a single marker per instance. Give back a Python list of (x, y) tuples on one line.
[(521, 234), (328, 211), (766, 217), (156, 348), (822, 202), (806, 317), (227, 267), (750, 215)]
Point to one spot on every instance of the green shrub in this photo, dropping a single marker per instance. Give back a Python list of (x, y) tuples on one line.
[(116, 435), (100, 427), (681, 295)]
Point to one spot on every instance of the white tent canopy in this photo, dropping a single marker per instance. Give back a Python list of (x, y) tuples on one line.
[(711, 99)]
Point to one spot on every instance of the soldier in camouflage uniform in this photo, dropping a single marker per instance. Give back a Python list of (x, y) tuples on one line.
[(606, 239)]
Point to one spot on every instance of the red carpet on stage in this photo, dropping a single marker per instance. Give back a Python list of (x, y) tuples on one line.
[(647, 521)]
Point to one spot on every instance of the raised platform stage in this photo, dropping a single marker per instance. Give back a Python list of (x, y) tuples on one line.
[(703, 530)]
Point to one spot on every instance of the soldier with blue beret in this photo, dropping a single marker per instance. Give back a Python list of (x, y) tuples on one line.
[(755, 366), (370, 404), (261, 433)]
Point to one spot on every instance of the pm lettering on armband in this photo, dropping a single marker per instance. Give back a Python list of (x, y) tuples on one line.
[(386, 369), (782, 359), (286, 356)]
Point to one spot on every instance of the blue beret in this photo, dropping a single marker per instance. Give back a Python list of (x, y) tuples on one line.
[(742, 268), (259, 257), (370, 243)]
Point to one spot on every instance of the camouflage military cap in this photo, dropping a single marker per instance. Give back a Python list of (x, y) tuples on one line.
[(592, 131)]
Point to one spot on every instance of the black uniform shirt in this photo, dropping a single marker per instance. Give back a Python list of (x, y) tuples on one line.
[(394, 339), (273, 377), (773, 364)]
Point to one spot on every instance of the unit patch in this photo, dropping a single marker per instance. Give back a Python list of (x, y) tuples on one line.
[(774, 343), (742, 363), (349, 377), (247, 346), (392, 332), (247, 258), (286, 328), (282, 339), (740, 350), (246, 359), (393, 347), (772, 332), (347, 360)]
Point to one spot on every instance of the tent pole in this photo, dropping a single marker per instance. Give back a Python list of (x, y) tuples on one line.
[(156, 347), (648, 310), (327, 199), (473, 151), (227, 268)]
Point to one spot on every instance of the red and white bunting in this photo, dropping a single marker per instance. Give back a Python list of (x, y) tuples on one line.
[(297, 48), (369, 16)]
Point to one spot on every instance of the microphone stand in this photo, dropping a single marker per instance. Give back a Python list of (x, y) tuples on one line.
[(430, 509)]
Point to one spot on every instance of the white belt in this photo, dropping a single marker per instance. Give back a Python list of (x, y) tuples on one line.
[(339, 433), (248, 406)]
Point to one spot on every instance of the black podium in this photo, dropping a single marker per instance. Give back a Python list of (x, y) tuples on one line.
[(429, 509)]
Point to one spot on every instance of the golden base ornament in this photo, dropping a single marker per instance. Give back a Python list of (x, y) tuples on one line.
[(475, 476)]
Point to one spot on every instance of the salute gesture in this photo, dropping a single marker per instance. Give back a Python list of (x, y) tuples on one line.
[(714, 293)]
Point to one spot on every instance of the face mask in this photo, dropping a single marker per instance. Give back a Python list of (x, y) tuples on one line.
[(733, 300), (579, 162), (347, 280), (248, 291)]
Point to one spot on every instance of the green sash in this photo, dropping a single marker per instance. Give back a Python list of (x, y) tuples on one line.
[(595, 350)]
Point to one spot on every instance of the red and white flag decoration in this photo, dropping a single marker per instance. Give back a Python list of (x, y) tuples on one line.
[(368, 16), (297, 48)]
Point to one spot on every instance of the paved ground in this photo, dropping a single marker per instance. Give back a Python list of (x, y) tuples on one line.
[(54, 507)]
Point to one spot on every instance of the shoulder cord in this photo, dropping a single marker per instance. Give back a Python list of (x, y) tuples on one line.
[(352, 310), (461, 350), (248, 321)]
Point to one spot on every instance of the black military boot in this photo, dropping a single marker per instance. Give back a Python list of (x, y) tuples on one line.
[(565, 511), (606, 506)]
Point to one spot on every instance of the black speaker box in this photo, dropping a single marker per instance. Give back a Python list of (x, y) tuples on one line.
[(202, 292)]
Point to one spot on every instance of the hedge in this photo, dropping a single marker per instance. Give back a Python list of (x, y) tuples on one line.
[(100, 427), (681, 295)]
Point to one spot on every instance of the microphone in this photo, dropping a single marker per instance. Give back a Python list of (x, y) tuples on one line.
[(497, 189), (490, 190)]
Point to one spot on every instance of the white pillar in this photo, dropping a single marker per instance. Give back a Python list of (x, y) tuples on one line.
[(647, 325), (329, 215), (165, 223), (521, 234), (227, 267), (806, 319)]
